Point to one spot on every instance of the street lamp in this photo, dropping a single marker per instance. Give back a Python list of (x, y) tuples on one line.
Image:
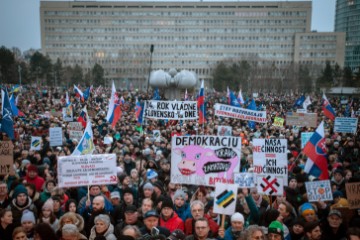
[(151, 52)]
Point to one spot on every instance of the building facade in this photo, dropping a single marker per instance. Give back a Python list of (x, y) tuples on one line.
[(186, 35), (347, 19)]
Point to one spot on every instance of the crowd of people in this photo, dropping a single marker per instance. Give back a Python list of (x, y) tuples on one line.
[(145, 204)]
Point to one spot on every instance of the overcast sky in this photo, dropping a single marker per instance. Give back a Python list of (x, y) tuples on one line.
[(20, 21)]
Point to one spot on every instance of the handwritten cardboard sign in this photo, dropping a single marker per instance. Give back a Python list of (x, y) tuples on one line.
[(7, 158), (353, 194)]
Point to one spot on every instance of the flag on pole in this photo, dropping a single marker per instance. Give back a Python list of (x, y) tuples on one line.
[(83, 117), (67, 99), (86, 144), (233, 100), (201, 104), (156, 94), (299, 102), (78, 93), (7, 124), (307, 102), (315, 149), (139, 111), (87, 92), (327, 109), (15, 110), (252, 106), (240, 98), (114, 111), (186, 97), (228, 95)]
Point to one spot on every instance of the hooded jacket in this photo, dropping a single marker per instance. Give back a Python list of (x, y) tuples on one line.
[(108, 234), (174, 222)]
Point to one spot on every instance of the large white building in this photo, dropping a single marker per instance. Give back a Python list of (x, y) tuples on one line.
[(186, 35)]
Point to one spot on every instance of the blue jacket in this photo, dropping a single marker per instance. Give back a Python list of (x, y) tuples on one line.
[(184, 212)]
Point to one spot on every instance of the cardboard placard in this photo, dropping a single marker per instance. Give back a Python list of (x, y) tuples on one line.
[(319, 190), (353, 194), (7, 157)]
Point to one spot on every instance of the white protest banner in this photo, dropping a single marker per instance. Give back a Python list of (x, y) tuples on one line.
[(224, 131), (244, 180), (7, 157), (108, 140), (67, 114), (225, 198), (77, 126), (305, 137), (35, 143), (270, 158), (56, 136), (301, 119), (345, 125), (270, 185), (75, 134), (83, 170), (156, 133), (319, 191), (222, 110), (204, 160), (178, 110)]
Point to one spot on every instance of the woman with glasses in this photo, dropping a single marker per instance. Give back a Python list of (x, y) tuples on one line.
[(253, 232)]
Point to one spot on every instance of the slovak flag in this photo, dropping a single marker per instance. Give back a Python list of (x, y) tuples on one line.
[(86, 143), (201, 104), (114, 111), (15, 110), (83, 118), (327, 109), (139, 111), (315, 149), (78, 93), (306, 103), (240, 98)]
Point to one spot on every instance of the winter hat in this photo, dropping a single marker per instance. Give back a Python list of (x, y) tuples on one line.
[(237, 217), (20, 189), (306, 208), (128, 190), (159, 185), (28, 216), (49, 205), (337, 194), (24, 163), (167, 202), (335, 212), (151, 213), (148, 186), (179, 194), (276, 227), (114, 194), (104, 218), (32, 167), (151, 174)]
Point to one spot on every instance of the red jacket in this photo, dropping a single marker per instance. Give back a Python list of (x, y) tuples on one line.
[(175, 222), (189, 223), (38, 181)]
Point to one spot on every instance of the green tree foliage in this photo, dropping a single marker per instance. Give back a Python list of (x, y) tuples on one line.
[(58, 72), (41, 68), (233, 75), (327, 77), (77, 75), (7, 65), (98, 75), (347, 77), (305, 81)]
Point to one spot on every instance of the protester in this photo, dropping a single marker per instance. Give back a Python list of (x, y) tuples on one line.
[(102, 227), (6, 224)]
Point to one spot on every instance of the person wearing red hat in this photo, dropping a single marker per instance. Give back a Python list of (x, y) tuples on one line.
[(33, 177)]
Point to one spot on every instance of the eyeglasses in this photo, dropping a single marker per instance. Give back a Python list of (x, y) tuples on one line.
[(197, 210), (274, 236), (201, 228)]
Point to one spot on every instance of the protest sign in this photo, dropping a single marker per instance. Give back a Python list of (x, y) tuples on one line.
[(270, 158), (345, 125), (305, 137), (353, 194), (318, 191), (108, 140), (179, 110), (77, 126), (35, 143), (156, 134), (278, 122), (222, 110), (301, 119), (270, 185), (67, 114), (75, 134), (225, 198), (55, 135), (7, 158), (204, 160), (83, 170), (244, 180), (224, 131)]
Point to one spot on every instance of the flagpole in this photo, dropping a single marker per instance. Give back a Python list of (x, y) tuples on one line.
[(151, 53)]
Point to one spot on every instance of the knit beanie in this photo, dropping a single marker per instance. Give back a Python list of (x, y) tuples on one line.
[(32, 168), (237, 217), (104, 218), (28, 216), (48, 205), (276, 227), (306, 208), (150, 174), (167, 202), (179, 194), (148, 186), (20, 189)]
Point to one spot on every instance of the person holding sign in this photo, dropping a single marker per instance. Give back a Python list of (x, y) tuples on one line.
[(234, 231)]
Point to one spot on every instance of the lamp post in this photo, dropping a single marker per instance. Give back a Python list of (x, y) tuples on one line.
[(151, 52)]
